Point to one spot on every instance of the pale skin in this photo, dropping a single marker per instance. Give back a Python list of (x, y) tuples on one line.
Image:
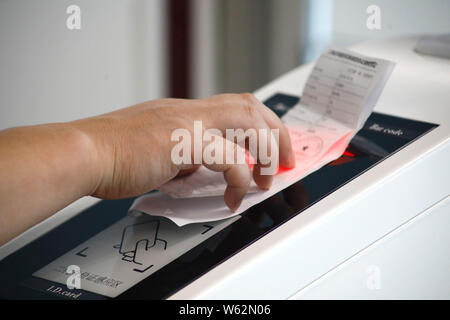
[(121, 154)]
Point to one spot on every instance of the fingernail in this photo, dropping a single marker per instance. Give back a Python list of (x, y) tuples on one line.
[(235, 205)]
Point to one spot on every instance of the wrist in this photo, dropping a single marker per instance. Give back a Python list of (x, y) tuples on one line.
[(88, 144)]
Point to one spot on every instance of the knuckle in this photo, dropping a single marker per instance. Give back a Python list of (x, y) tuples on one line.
[(249, 111), (249, 98), (249, 106)]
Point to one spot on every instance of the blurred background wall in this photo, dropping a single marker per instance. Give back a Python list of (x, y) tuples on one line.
[(126, 51), (49, 73), (243, 44)]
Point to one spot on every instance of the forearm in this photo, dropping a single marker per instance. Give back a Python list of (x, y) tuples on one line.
[(42, 169)]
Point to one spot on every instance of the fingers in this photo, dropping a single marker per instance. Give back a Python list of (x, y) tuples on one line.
[(237, 175), (286, 153), (250, 122), (246, 111), (187, 172), (267, 164), (264, 181)]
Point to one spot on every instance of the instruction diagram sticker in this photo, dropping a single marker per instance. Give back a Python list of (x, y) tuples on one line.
[(129, 251)]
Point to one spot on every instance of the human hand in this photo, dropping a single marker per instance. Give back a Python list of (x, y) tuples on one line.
[(132, 147)]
